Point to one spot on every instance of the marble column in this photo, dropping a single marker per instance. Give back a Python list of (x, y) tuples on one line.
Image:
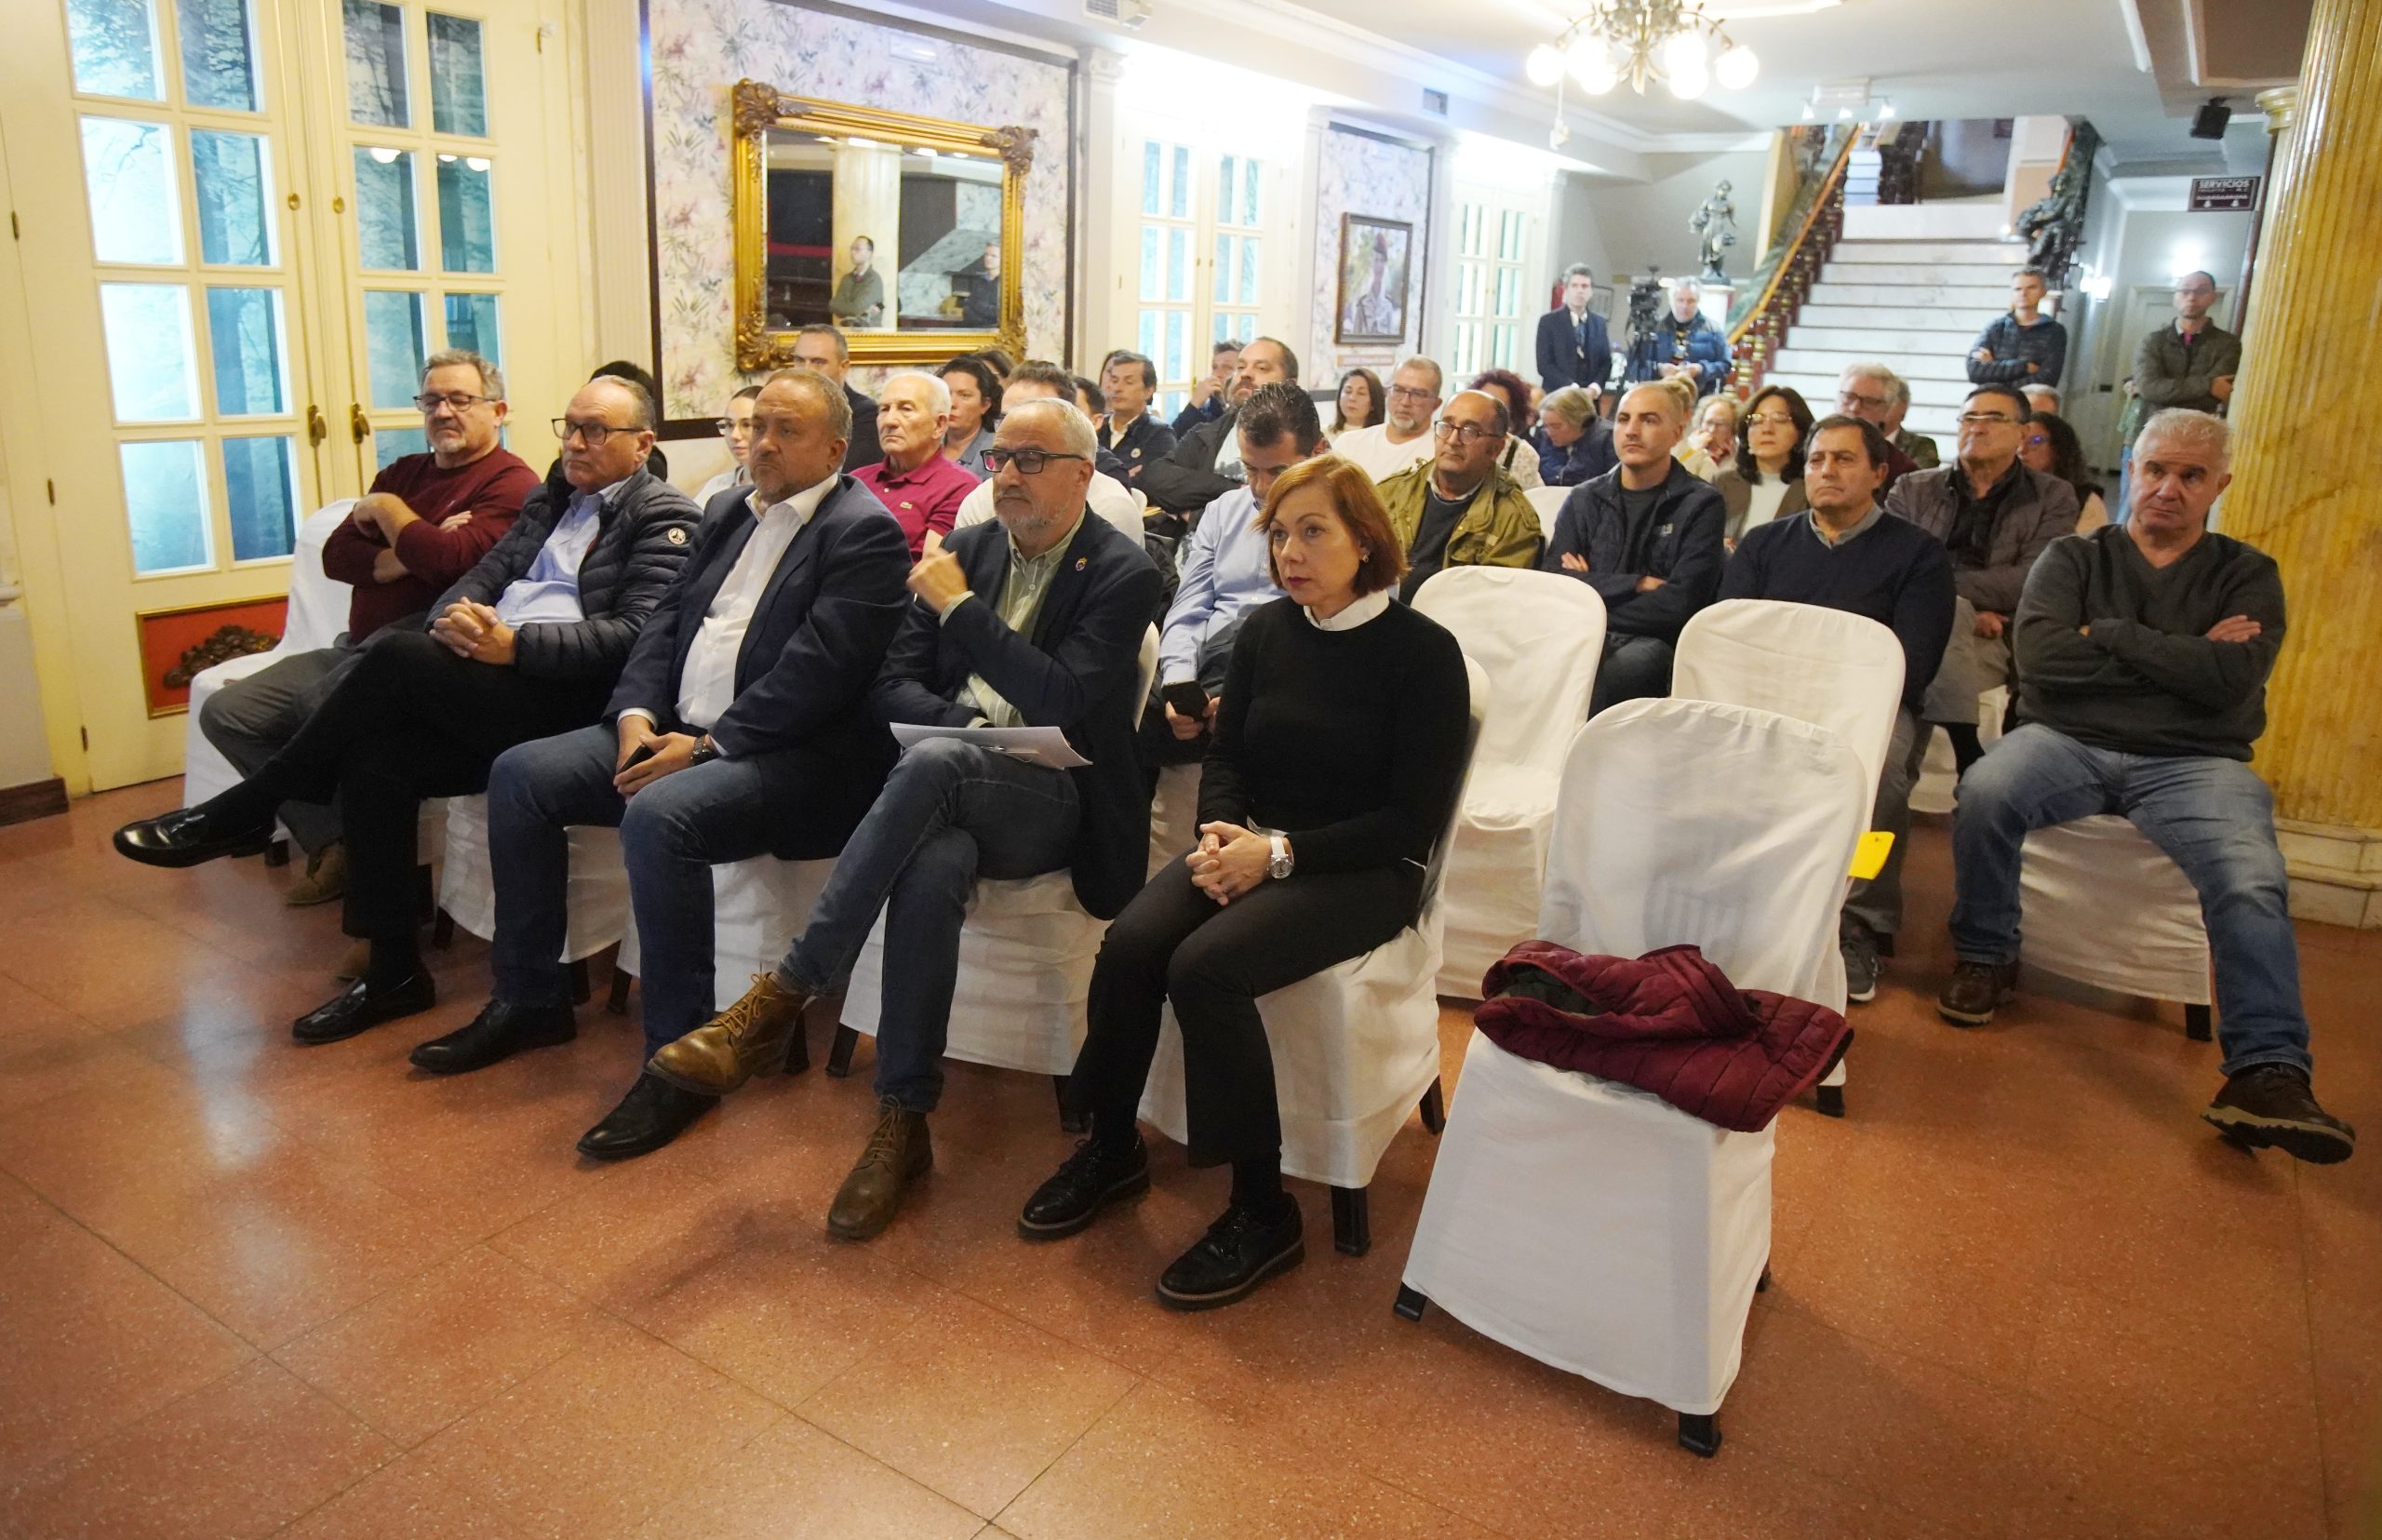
[(2305, 489)]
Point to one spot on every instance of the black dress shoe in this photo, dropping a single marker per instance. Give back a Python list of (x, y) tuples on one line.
[(653, 1113), (1240, 1252), (1091, 1178), (188, 836), (363, 1005), (497, 1033)]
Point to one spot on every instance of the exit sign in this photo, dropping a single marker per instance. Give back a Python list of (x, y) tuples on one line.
[(2223, 194)]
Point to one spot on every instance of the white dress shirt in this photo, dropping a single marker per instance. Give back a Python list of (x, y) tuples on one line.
[(1353, 614), (1370, 452), (1108, 498)]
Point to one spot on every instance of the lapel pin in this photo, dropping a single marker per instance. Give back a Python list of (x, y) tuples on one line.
[(1082, 562)]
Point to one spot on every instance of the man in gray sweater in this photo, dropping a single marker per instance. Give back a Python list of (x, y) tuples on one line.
[(2143, 654)]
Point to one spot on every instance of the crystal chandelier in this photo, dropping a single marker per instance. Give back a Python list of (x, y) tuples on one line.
[(1677, 42)]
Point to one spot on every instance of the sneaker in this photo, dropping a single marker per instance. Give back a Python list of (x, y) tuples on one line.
[(2273, 1106), (1240, 1252), (1975, 989), (1859, 944), (326, 879), (1092, 1178)]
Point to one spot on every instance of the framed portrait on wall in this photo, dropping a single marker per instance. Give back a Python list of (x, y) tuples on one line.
[(1375, 278)]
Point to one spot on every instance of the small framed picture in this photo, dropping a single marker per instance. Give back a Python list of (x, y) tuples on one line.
[(1375, 268), (176, 644)]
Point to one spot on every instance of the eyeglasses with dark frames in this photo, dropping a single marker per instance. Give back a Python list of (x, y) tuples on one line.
[(454, 401), (1028, 462)]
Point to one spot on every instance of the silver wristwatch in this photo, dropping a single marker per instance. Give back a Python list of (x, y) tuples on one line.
[(1278, 866)]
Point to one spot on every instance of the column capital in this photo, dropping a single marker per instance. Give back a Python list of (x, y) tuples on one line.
[(2282, 106)]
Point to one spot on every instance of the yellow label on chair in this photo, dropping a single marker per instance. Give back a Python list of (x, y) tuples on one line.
[(1870, 856)]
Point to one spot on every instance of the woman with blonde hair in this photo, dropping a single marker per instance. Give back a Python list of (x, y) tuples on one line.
[(1687, 451), (1574, 443)]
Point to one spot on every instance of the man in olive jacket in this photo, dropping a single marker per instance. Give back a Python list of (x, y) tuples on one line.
[(1458, 509)]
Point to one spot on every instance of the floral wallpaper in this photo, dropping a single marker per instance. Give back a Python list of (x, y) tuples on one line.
[(1361, 173), (703, 47)]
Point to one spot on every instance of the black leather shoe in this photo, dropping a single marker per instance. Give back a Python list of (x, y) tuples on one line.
[(1091, 1180), (497, 1033), (1240, 1252), (361, 1004), (2271, 1107), (653, 1113), (187, 836)]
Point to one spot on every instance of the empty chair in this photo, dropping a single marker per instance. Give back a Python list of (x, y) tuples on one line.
[(1584, 1223), (1538, 637)]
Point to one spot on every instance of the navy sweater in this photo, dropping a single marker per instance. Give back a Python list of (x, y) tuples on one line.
[(1894, 572)]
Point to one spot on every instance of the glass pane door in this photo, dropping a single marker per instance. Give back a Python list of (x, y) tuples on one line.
[(1166, 292)]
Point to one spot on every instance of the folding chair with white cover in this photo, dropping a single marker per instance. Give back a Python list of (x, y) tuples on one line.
[(1356, 1048), (2082, 883), (596, 898), (1538, 636), (1546, 503), (1025, 954), (1831, 667), (1589, 1225)]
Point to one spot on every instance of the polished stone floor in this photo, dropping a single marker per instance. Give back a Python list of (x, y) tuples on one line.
[(247, 1289)]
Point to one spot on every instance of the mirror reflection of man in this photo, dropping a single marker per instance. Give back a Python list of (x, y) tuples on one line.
[(982, 308), (860, 293)]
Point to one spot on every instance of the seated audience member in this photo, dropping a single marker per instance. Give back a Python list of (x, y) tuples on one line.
[(2041, 400), (1574, 347), (1844, 553), (1337, 759), (1035, 381), (736, 429), (1916, 447), (1210, 391), (1092, 403), (2144, 650), (1226, 571), (1996, 517), (739, 726), (999, 362), (2025, 346), (427, 519), (921, 486), (1129, 432), (526, 645), (975, 412), (1764, 479), (1403, 437), (1687, 451), (1646, 536), (1717, 426), (1684, 345), (1575, 443), (1034, 622), (1879, 396), (1206, 461), (2051, 446), (1518, 459), (824, 349), (619, 369), (1458, 509), (2191, 361), (1359, 403)]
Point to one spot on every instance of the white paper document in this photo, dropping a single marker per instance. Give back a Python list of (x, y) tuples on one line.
[(1046, 747)]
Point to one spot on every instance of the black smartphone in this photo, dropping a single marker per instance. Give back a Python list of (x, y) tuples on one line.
[(1189, 699), (638, 757)]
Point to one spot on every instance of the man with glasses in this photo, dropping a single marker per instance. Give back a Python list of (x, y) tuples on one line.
[(1035, 621), (1402, 439), (1879, 396), (1036, 379), (2189, 362), (1128, 432), (1994, 516), (427, 519), (1458, 509), (2025, 347), (823, 348), (736, 428), (527, 644)]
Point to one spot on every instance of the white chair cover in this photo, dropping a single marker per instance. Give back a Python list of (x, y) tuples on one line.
[(2105, 906), (1538, 636), (1355, 1046), (597, 897), (758, 906), (1939, 772), (1839, 670), (1585, 1224), (1175, 814), (1547, 502)]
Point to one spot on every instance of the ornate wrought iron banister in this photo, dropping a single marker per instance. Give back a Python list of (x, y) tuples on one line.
[(1757, 335)]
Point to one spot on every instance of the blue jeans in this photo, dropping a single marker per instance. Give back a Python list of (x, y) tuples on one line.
[(672, 834), (2213, 817), (950, 813)]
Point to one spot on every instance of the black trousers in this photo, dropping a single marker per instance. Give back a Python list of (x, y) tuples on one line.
[(1175, 943), (409, 720)]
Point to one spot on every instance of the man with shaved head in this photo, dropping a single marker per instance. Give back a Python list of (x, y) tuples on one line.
[(1458, 508), (1647, 536), (1206, 461)]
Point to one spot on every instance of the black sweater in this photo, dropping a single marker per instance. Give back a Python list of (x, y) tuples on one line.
[(2147, 680), (1894, 572), (1349, 742)]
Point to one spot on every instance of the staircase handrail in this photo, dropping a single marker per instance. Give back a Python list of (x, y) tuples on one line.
[(1762, 325)]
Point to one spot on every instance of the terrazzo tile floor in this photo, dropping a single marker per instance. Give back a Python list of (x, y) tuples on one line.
[(248, 1289)]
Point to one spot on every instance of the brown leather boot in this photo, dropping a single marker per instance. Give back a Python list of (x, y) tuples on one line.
[(1976, 988), (752, 1036), (898, 1154), (326, 879)]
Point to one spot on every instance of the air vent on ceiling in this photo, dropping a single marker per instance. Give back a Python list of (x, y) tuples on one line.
[(1434, 103), (1129, 14)]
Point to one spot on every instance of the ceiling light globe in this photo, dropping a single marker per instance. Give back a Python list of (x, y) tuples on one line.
[(1591, 62), (1735, 68), (1544, 66), (1683, 53), (1687, 84)]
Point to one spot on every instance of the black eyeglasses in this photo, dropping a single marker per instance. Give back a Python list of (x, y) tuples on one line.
[(455, 401), (590, 433), (1462, 433), (1028, 462), (1982, 417)]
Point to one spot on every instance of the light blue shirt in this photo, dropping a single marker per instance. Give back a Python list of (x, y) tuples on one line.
[(1222, 575), (548, 593)]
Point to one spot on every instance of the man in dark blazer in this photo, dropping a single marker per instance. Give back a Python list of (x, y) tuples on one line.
[(740, 728), (1574, 347), (1035, 619), (529, 642), (1206, 461), (823, 348)]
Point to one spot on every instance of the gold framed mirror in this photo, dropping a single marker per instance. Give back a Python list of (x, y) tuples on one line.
[(907, 233)]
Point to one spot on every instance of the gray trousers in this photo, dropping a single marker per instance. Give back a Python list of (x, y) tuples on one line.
[(1972, 665), (1877, 901), (249, 721)]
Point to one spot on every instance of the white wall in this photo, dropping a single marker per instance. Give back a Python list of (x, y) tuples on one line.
[(1618, 228)]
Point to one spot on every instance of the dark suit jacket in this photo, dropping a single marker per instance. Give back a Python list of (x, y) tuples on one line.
[(1078, 671), (813, 649), (1562, 361), (1678, 541), (863, 449), (1186, 481)]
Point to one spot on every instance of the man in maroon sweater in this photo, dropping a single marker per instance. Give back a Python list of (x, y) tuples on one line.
[(427, 519)]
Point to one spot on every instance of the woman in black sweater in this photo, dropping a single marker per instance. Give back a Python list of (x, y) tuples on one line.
[(1338, 751)]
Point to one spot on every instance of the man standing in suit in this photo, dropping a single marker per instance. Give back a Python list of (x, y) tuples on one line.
[(1573, 348), (823, 348), (739, 726), (1035, 621)]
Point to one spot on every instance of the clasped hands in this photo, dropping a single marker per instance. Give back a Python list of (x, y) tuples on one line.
[(671, 751), (470, 630), (1229, 861)]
